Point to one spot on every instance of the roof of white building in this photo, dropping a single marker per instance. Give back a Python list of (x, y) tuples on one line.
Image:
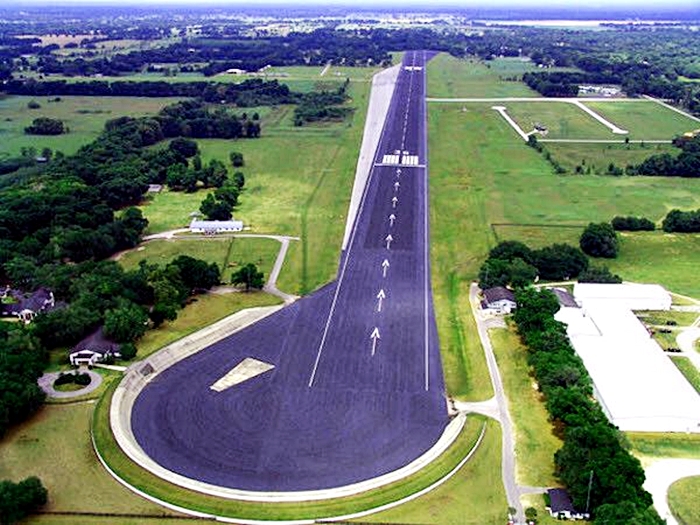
[(210, 225), (595, 291), (638, 385)]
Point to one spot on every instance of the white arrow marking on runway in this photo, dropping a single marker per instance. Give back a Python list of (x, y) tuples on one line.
[(396, 186), (388, 240), (374, 337), (392, 218), (385, 267), (398, 173), (380, 297), (394, 201)]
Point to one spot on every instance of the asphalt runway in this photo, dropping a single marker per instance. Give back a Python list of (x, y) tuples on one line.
[(340, 406)]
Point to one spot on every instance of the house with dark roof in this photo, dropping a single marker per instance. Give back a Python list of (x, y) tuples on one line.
[(561, 507), (499, 300), (95, 348), (26, 306)]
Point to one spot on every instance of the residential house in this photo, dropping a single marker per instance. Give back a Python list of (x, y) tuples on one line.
[(499, 300), (561, 507), (95, 348), (26, 306)]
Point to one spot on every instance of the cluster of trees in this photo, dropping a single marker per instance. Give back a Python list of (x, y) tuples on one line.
[(537, 146), (219, 205), (686, 164), (249, 93), (322, 106), (599, 240), (593, 451), (192, 118), (512, 263), (632, 224), (18, 500), (248, 276), (46, 126), (22, 361), (126, 303), (682, 221)]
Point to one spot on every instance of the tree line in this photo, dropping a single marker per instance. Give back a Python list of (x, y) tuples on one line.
[(685, 164), (322, 106), (600, 474)]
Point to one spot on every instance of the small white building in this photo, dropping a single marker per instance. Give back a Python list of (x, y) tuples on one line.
[(212, 227), (499, 300), (624, 296)]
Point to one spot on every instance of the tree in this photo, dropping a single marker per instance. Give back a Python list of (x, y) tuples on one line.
[(599, 240), (125, 323), (249, 276), (46, 126), (236, 159), (559, 261), (498, 272), (18, 500), (214, 175), (216, 210), (599, 274), (128, 351), (509, 250), (195, 273), (184, 147), (239, 180)]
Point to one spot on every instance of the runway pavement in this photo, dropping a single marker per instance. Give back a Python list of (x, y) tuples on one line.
[(357, 389)]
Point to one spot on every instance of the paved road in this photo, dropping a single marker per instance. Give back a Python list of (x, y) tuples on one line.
[(357, 389), (46, 382)]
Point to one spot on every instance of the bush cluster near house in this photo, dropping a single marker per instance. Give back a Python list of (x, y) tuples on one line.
[(73, 378), (592, 452), (46, 126), (18, 500)]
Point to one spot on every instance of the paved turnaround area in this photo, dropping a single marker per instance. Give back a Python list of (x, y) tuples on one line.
[(357, 388)]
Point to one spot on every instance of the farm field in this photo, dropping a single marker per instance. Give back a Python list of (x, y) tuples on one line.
[(535, 443), (84, 116), (562, 120), (227, 253), (645, 119), (682, 498)]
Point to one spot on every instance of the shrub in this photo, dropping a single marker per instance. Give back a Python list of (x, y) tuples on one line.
[(632, 224), (599, 240)]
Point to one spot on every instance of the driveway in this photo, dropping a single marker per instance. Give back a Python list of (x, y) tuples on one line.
[(46, 384)]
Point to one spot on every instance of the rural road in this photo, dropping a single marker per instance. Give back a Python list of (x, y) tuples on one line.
[(357, 389), (498, 408)]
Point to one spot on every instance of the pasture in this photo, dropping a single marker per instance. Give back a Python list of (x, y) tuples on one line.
[(563, 120), (84, 116)]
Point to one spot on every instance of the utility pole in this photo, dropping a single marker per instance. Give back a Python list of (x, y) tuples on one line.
[(590, 485)]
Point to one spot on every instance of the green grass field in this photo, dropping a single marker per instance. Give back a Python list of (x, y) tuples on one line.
[(563, 120), (84, 116), (451, 77), (670, 445), (664, 317), (595, 158), (227, 253), (644, 119), (688, 370), (683, 499), (201, 312), (474, 496), (535, 443)]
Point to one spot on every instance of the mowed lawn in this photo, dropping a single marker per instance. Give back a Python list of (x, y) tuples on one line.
[(535, 442), (202, 311), (55, 446), (683, 499), (562, 120), (84, 116), (228, 253), (451, 77), (645, 119)]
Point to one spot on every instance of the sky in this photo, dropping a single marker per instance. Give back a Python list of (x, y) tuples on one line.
[(520, 4)]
